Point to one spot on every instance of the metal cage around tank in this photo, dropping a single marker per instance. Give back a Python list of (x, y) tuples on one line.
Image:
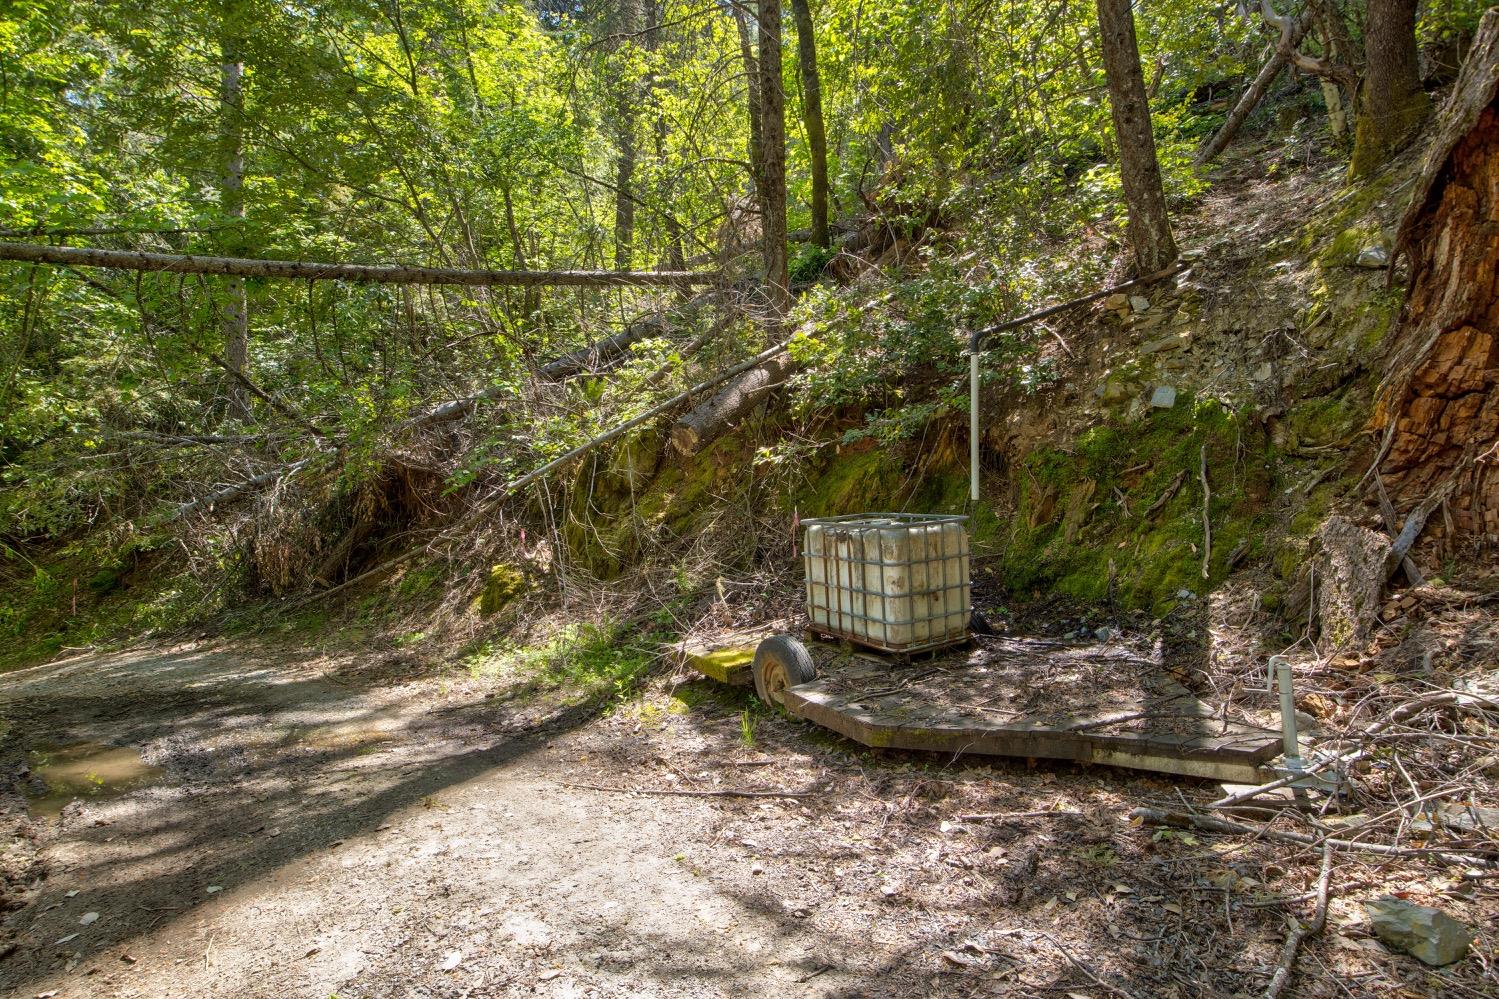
[(895, 582)]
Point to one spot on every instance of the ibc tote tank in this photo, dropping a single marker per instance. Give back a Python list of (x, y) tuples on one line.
[(898, 582)]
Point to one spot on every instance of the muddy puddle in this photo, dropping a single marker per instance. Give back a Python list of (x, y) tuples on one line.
[(85, 770), (359, 738)]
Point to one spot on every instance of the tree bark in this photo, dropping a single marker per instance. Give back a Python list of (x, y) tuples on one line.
[(817, 140), (722, 413), (1145, 198), (752, 96), (626, 21), (1391, 101), (234, 315), (306, 270), (773, 191), (1441, 393)]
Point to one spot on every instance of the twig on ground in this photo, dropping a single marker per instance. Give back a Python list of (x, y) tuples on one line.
[(1087, 971), (1156, 816), (681, 793), (1283, 968)]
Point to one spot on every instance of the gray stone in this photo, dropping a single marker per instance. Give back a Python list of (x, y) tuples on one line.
[(1426, 934), (1176, 341), (1164, 397), (1112, 390), (1374, 257), (1265, 372), (1139, 303), (1185, 594)]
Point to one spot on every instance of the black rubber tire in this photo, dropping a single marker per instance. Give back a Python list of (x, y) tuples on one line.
[(780, 662)]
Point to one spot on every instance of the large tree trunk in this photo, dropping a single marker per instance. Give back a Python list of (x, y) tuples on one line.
[(1392, 102), (1441, 395), (626, 21), (817, 140), (773, 191), (234, 314), (1149, 229)]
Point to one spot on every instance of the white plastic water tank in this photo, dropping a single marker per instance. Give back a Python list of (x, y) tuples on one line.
[(893, 581)]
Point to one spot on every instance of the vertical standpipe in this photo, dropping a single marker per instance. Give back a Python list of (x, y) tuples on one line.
[(973, 423), (1290, 742)]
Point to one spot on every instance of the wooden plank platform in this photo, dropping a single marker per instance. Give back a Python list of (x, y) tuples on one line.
[(1034, 698)]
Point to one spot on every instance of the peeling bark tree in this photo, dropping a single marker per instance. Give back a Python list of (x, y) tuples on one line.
[(817, 140), (234, 314), (1391, 101), (1441, 393), (1149, 229)]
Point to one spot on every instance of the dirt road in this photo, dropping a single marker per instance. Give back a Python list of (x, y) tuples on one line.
[(323, 827)]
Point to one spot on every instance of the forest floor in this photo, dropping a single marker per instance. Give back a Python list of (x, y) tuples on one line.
[(339, 825)]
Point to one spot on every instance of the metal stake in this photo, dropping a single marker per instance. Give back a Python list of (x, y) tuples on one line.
[(973, 425)]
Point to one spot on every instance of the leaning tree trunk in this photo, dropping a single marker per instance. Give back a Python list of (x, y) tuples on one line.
[(1392, 102), (1144, 197), (817, 140), (234, 314), (1441, 394)]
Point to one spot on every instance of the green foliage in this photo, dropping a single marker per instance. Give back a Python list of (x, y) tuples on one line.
[(599, 660), (808, 262)]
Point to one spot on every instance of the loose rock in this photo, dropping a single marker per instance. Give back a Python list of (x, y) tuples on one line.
[(1426, 934)]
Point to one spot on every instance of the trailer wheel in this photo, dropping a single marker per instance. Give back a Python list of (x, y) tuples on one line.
[(780, 662)]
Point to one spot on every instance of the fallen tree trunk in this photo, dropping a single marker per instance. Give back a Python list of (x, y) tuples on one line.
[(715, 417), (306, 270), (753, 363), (606, 352), (235, 491), (1291, 32)]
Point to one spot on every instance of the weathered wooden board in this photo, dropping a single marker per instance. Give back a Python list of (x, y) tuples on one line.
[(1048, 700)]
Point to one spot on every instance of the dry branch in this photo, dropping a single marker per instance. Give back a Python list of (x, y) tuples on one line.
[(1291, 32), (685, 793), (306, 270), (1287, 963), (1207, 823)]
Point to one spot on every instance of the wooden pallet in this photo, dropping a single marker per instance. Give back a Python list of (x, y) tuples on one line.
[(1033, 698)]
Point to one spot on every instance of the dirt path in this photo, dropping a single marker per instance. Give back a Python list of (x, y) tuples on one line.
[(325, 829), (317, 836)]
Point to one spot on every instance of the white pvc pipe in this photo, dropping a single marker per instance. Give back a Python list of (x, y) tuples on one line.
[(973, 426), (1290, 742)]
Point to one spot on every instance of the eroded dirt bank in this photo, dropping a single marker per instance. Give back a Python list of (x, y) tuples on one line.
[(329, 828)]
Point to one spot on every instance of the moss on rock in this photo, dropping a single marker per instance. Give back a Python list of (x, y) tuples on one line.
[(1136, 535), (501, 587)]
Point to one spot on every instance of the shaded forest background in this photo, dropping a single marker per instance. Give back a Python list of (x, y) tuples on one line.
[(174, 444)]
